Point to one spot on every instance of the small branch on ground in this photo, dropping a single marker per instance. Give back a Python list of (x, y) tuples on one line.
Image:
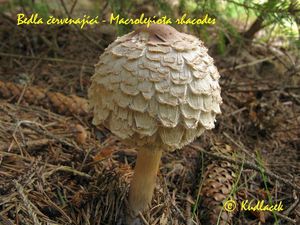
[(59, 60), (32, 144)]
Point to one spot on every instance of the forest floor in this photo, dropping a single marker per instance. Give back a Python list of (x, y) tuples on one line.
[(49, 176)]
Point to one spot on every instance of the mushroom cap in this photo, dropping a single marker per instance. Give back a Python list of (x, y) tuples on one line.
[(156, 88)]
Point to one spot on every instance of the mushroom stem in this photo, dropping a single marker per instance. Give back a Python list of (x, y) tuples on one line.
[(144, 179)]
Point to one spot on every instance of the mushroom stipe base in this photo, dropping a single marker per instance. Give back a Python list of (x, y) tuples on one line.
[(144, 179)]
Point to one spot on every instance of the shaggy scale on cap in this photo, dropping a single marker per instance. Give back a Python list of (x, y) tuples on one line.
[(156, 87)]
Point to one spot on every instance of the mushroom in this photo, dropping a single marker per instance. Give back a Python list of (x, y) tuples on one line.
[(157, 90)]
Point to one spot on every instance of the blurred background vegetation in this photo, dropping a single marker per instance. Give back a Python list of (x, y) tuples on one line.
[(238, 21)]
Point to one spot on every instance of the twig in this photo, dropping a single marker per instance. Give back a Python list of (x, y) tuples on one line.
[(29, 144), (65, 169), (27, 203), (50, 44), (143, 218), (50, 202), (240, 146), (265, 89), (282, 216), (61, 168), (27, 159), (29, 123), (21, 95), (79, 30), (235, 112), (293, 206), (49, 135), (248, 165), (5, 221), (47, 59), (246, 6), (247, 64), (73, 6)]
